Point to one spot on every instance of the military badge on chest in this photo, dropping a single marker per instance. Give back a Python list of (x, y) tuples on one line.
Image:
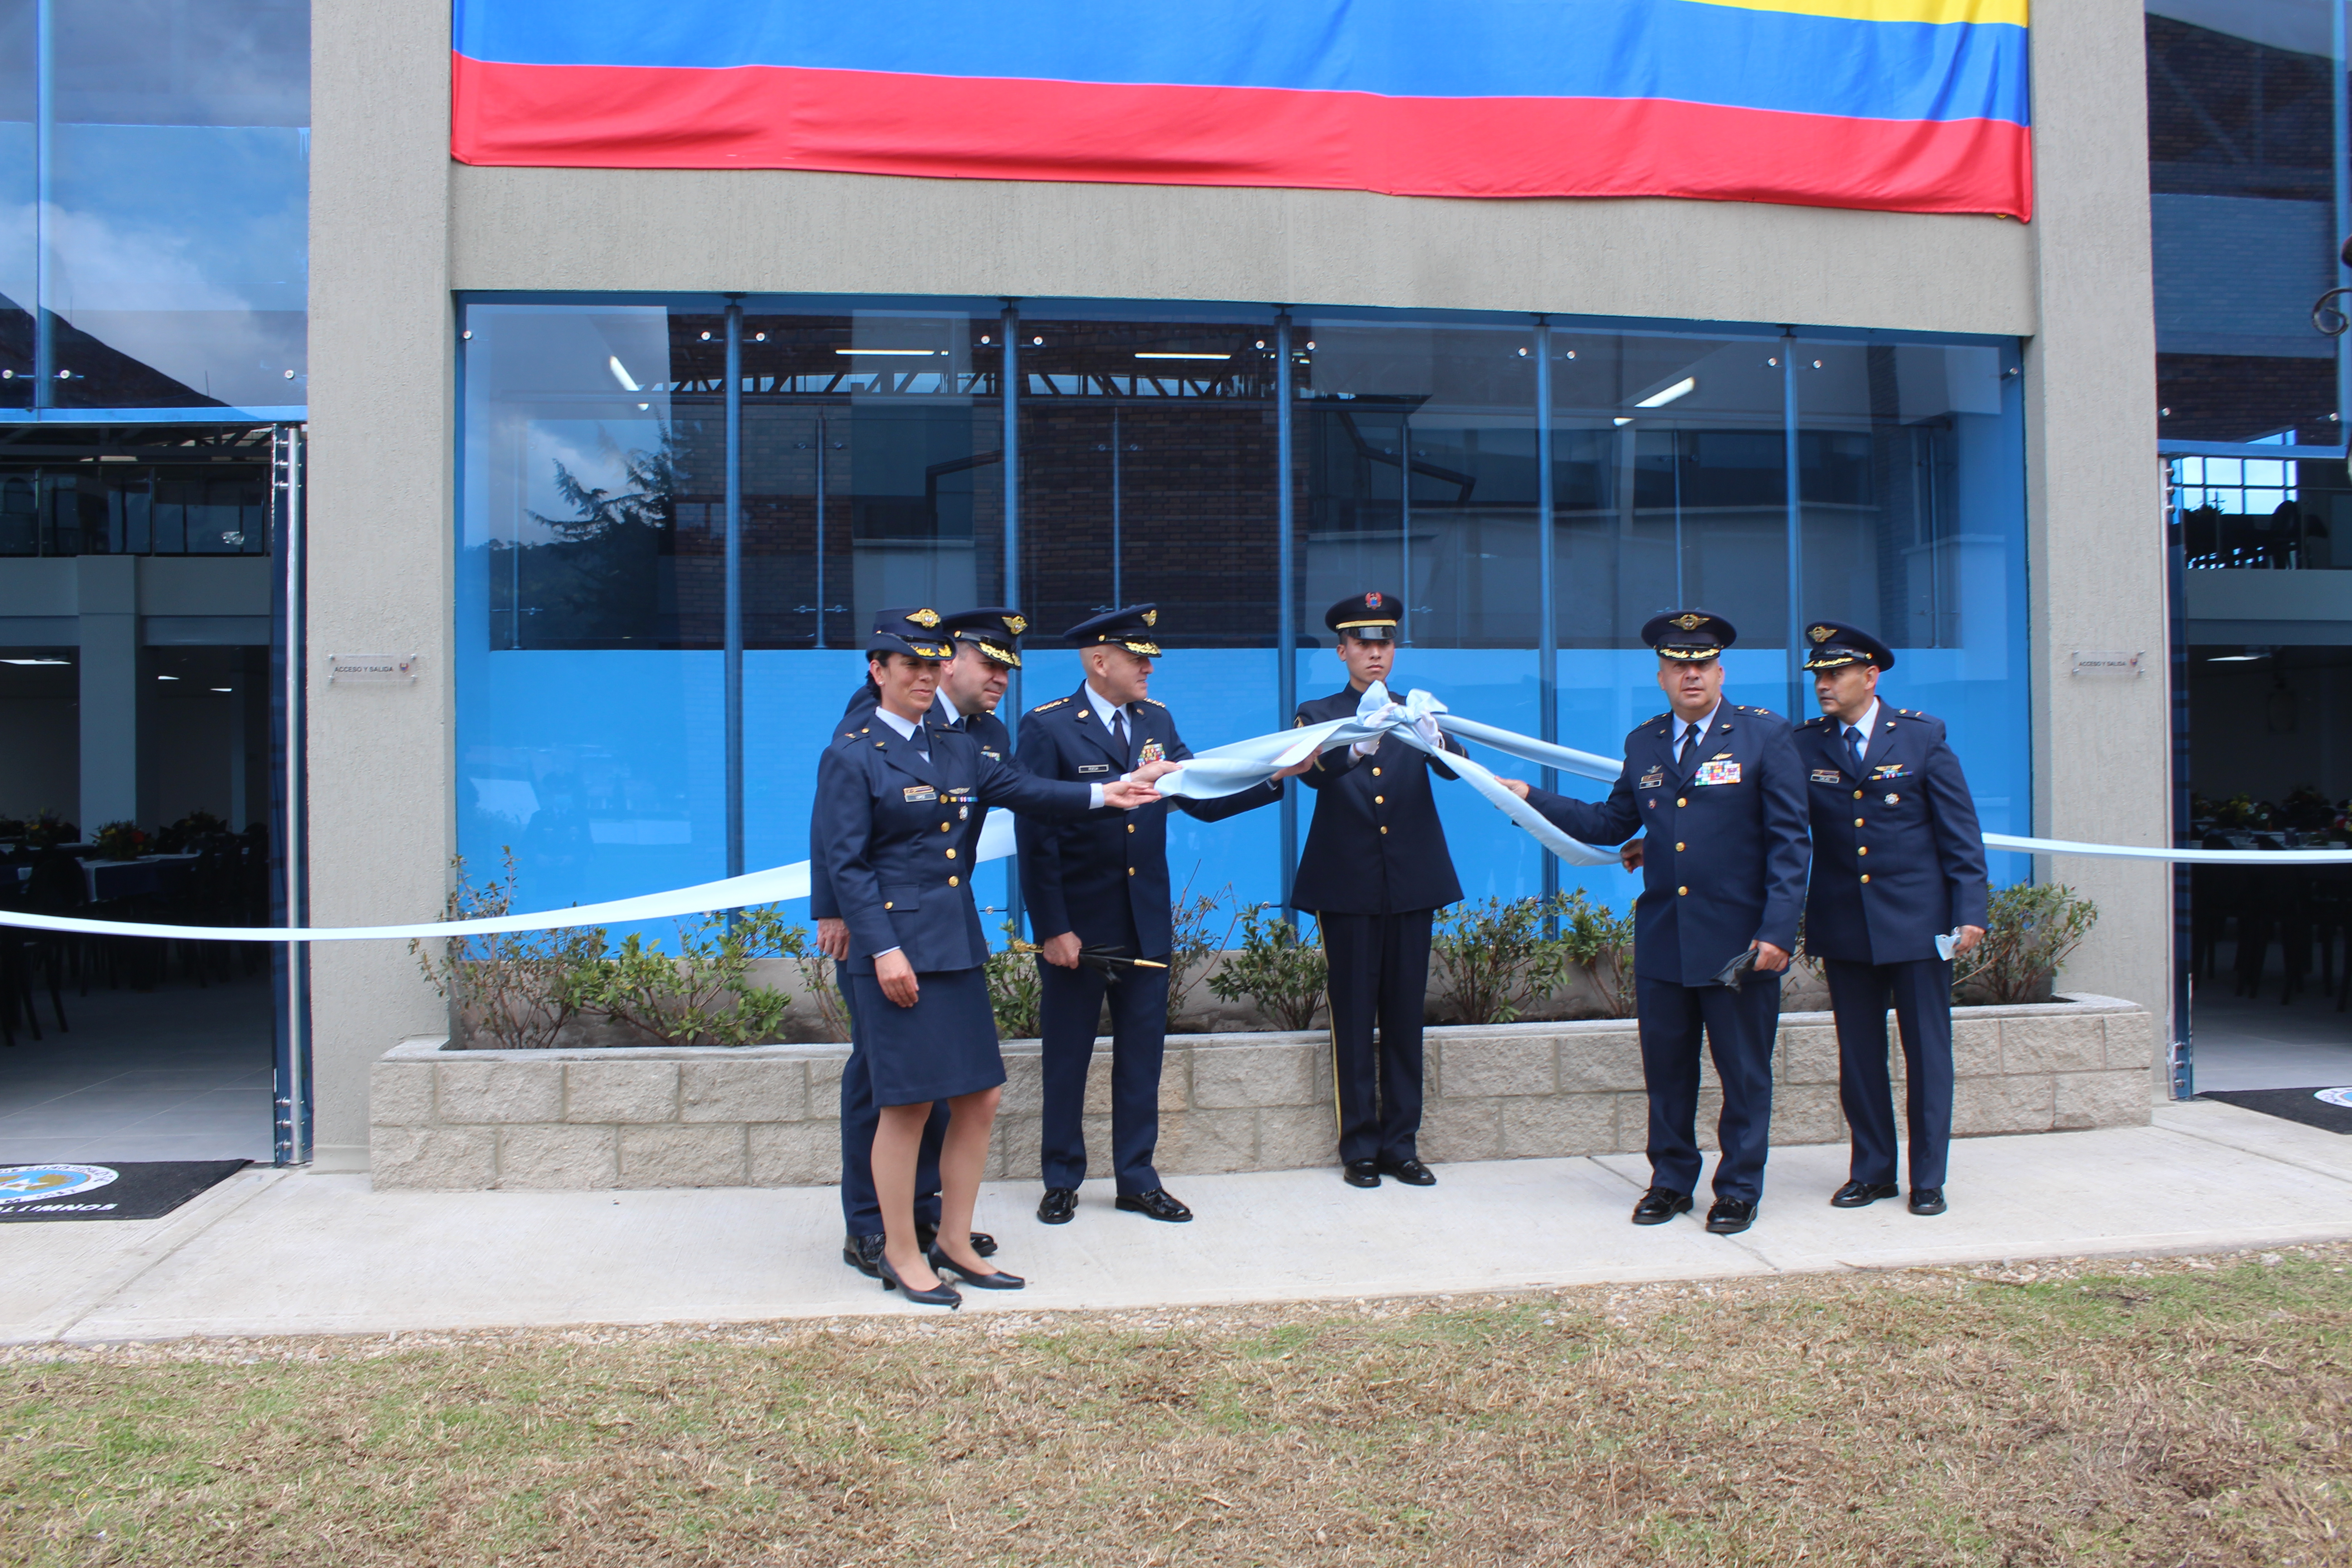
[(1152, 752), (1718, 770), (1652, 779)]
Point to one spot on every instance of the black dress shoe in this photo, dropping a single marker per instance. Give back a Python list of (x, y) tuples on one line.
[(1157, 1203), (995, 1280), (1927, 1200), (1360, 1172), (1412, 1173), (927, 1236), (1660, 1204), (1729, 1216), (940, 1295), (863, 1253), (1854, 1195), (1058, 1206)]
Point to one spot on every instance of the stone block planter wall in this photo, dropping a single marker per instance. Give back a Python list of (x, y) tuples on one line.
[(766, 1115)]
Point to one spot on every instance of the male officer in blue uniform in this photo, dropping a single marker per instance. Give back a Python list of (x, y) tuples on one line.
[(1375, 871), (987, 650), (1718, 789), (1100, 882), (1898, 863)]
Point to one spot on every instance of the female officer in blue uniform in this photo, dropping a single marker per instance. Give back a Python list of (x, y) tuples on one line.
[(896, 827)]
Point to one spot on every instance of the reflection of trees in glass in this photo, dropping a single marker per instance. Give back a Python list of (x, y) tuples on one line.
[(598, 580)]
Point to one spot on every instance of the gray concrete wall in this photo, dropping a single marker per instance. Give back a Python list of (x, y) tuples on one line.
[(2102, 743), (378, 580), (787, 231), (396, 227)]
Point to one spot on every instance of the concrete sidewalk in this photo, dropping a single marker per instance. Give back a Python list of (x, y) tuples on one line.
[(272, 1252)]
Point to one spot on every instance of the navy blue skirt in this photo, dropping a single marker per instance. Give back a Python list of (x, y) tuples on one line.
[(943, 1045)]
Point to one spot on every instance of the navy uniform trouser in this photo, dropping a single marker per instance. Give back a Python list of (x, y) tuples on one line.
[(1740, 1028), (1920, 992), (1069, 1006), (859, 1118), (1378, 979)]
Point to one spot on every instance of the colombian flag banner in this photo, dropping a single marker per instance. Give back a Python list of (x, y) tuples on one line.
[(1895, 105)]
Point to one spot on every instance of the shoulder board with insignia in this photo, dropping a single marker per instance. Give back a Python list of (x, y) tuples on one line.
[(1155, 702), (1055, 704)]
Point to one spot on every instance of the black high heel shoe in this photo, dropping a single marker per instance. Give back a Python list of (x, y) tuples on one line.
[(940, 1295), (941, 1264)]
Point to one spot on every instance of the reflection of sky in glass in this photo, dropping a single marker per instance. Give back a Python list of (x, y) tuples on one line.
[(2240, 487)]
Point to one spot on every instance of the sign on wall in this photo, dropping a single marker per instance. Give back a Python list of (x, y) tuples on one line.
[(1897, 105)]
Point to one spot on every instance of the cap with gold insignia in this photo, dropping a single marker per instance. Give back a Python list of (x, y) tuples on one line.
[(1130, 627), (1371, 617), (995, 630), (909, 629), (1690, 635), (1832, 645)]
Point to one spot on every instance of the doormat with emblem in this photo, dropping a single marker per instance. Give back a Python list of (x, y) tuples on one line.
[(133, 1190), (2327, 1107)]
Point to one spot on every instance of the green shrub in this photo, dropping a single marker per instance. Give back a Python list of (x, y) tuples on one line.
[(1276, 967), (2030, 930), (1602, 941), (1194, 919), (1013, 988), (517, 988), (703, 994), (1493, 958)]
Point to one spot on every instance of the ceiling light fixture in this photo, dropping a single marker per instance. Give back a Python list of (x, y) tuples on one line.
[(925, 354), (621, 373), (1141, 355), (1681, 388), (224, 689), (36, 661), (1620, 421)]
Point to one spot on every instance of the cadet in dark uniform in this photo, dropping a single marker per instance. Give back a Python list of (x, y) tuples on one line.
[(1375, 871), (1722, 797), (1897, 862), (895, 826), (987, 650), (1102, 882)]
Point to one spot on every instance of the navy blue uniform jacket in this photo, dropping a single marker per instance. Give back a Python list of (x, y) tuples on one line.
[(1897, 860), (893, 834), (1376, 846), (1722, 863), (1095, 875), (995, 740)]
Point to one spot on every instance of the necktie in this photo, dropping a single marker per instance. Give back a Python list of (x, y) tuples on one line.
[(1690, 744), (1119, 729), (1854, 751), (923, 742)]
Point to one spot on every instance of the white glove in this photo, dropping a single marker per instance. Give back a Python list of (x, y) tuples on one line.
[(1365, 748), (1426, 728)]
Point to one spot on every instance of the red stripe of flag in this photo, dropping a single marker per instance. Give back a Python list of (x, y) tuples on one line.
[(876, 123)]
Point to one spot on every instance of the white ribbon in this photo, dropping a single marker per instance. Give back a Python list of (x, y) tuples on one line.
[(1220, 770)]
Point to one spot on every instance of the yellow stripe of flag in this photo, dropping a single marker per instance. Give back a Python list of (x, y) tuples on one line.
[(2011, 12)]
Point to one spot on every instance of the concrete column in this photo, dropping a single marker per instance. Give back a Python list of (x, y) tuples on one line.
[(112, 670), (2102, 742), (380, 554)]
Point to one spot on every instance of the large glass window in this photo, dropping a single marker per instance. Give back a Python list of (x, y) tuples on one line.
[(1144, 443), (18, 190), (167, 238), (591, 726), (2247, 215)]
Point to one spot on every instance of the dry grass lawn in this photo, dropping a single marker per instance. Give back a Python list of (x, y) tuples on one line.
[(2173, 1411)]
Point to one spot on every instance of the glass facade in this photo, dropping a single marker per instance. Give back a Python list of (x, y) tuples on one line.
[(154, 159), (1138, 459), (2248, 211)]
